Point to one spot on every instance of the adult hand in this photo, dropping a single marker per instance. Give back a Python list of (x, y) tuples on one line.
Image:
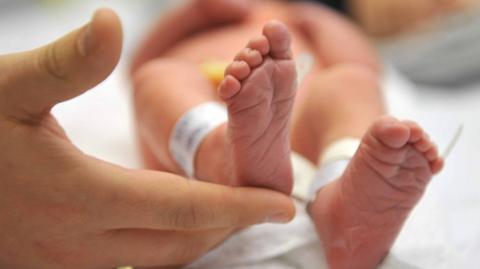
[(60, 208)]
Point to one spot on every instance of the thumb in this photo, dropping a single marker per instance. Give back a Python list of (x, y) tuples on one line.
[(36, 80)]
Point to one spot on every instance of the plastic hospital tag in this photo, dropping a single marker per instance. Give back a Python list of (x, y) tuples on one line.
[(328, 173), (334, 161), (453, 142), (303, 174), (190, 131)]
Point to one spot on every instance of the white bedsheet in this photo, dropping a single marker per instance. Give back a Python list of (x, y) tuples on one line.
[(444, 230)]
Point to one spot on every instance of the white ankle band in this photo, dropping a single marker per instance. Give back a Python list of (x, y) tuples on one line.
[(326, 174), (303, 174), (334, 161), (341, 149), (191, 129)]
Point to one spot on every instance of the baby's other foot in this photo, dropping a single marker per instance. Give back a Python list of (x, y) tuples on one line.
[(259, 90), (359, 216)]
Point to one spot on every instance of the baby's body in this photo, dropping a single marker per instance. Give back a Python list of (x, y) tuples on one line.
[(365, 208), (337, 47), (222, 43), (219, 45)]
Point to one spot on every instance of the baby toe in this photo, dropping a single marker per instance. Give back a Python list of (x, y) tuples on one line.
[(279, 39), (391, 132), (229, 87), (432, 154), (416, 132), (251, 56), (238, 69), (437, 165), (424, 144), (259, 44)]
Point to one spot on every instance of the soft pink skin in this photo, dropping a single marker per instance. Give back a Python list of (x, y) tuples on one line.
[(172, 49), (259, 97), (262, 73), (359, 216), (340, 98)]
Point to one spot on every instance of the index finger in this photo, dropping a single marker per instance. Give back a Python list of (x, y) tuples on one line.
[(156, 200)]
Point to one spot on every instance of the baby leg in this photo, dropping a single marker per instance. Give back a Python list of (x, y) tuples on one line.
[(359, 215), (343, 100), (164, 90)]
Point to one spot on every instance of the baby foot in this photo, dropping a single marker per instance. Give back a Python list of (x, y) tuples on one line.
[(259, 90), (359, 215)]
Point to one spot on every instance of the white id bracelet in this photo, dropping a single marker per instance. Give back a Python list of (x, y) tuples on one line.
[(191, 129)]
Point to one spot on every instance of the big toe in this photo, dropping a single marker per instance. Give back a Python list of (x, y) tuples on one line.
[(279, 39), (391, 132)]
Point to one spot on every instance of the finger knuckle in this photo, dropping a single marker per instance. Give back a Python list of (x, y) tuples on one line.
[(188, 216), (51, 62)]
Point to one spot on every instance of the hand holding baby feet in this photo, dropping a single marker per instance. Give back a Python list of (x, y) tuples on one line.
[(259, 90), (359, 216)]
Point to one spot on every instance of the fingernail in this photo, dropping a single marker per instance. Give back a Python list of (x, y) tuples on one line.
[(278, 218), (85, 40)]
